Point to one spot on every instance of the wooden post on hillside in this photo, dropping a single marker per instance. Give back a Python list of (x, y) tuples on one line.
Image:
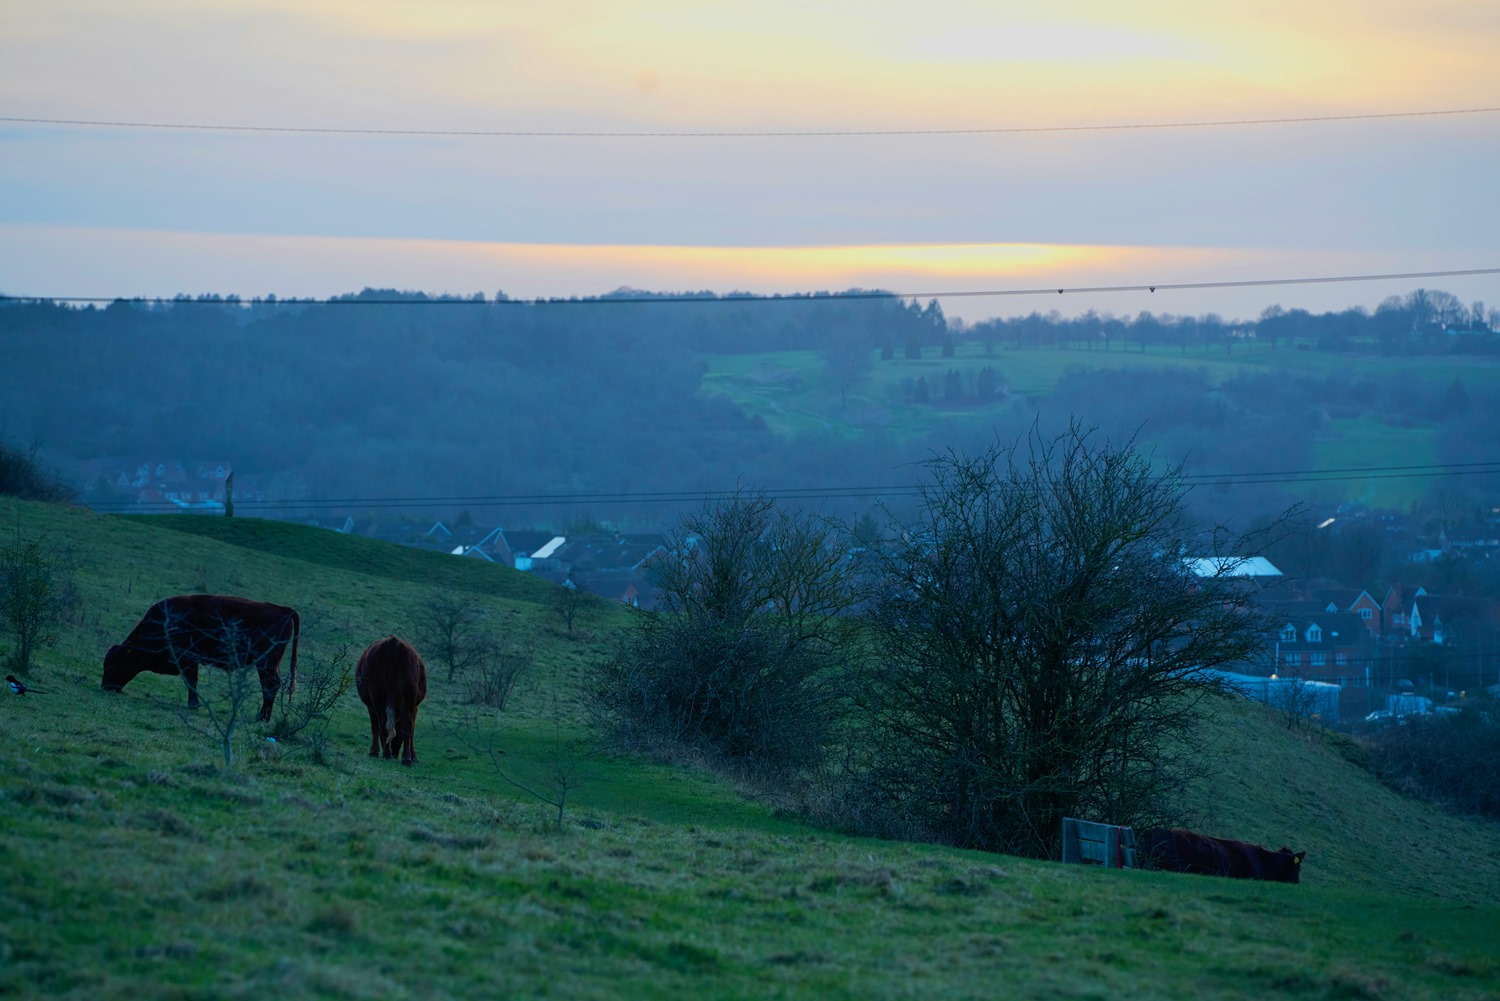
[(229, 495)]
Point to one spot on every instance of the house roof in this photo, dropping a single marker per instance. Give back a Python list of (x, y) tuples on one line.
[(1340, 629), (551, 547), (608, 552), (525, 541), (1233, 566), (1342, 599), (1453, 609)]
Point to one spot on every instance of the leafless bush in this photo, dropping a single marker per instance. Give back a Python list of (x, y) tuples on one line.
[(494, 668), (735, 690), (566, 602), (745, 653), (1040, 637), (322, 681), (238, 687), (216, 712), (449, 633), (1453, 761), (37, 593), (837, 793), (21, 475), (1296, 702)]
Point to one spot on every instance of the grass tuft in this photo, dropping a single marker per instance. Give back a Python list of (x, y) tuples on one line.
[(337, 918), (239, 888), (165, 821)]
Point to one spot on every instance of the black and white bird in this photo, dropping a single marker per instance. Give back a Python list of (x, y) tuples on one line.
[(17, 687)]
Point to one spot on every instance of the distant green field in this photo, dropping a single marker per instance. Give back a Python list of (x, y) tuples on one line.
[(788, 390), (1369, 442), (137, 866)]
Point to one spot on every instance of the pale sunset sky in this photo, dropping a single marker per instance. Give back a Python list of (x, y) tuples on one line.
[(113, 210)]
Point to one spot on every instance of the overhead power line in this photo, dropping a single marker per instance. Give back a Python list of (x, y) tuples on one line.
[(747, 134), (804, 297), (818, 493)]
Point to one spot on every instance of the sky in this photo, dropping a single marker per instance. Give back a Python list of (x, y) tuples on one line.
[(1063, 190)]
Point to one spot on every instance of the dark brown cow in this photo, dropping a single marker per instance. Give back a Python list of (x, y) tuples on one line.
[(176, 635), (391, 680), (1177, 850)]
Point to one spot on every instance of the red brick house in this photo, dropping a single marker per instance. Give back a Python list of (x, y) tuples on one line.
[(1313, 643)]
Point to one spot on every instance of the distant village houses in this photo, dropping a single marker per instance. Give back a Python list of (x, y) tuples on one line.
[(611, 565), (1371, 644), (1376, 650), (164, 486)]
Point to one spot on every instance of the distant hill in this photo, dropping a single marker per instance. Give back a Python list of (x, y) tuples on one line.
[(405, 403), (1253, 408)]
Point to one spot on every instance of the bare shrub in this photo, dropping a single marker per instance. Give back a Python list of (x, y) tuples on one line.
[(1452, 761), (21, 475), (1296, 701), (217, 712), (448, 629), (1041, 634), (322, 681), (494, 668), (839, 792), (745, 653), (566, 602), (37, 592), (219, 701)]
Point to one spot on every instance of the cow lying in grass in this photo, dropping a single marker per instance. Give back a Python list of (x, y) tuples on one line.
[(1177, 850)]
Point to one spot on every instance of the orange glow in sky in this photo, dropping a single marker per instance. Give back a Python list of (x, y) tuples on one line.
[(278, 212)]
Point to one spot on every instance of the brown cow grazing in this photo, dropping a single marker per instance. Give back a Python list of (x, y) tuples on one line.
[(391, 680), (176, 635), (1177, 850)]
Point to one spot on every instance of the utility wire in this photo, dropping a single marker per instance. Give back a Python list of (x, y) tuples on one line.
[(822, 493), (772, 298), (768, 134)]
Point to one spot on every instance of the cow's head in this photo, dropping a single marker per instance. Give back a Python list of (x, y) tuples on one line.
[(121, 664), (1291, 871)]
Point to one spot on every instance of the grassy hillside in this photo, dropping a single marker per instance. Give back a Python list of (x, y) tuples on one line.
[(363, 556), (135, 865)]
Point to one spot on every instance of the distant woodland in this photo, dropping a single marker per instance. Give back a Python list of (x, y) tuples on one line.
[(392, 394)]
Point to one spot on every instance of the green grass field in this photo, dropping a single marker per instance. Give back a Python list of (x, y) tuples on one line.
[(880, 403), (137, 866)]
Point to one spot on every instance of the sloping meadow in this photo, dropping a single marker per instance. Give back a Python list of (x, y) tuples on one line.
[(136, 864)]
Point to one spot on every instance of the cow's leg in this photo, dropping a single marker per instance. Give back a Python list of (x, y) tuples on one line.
[(377, 718), (270, 681), (190, 676), (409, 739), (389, 732)]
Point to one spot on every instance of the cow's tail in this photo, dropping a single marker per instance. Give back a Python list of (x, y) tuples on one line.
[(291, 685)]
